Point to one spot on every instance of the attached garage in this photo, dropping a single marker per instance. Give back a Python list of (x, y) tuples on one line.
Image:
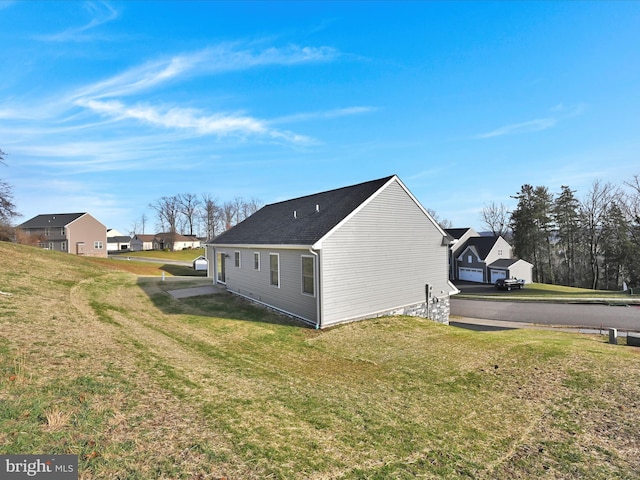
[(470, 274), (496, 274), (511, 268)]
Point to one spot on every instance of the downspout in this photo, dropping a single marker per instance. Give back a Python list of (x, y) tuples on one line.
[(317, 279)]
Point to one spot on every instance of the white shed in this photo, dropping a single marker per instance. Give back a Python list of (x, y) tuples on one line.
[(200, 263)]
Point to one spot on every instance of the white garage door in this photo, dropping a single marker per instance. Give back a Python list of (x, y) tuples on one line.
[(470, 274), (496, 274)]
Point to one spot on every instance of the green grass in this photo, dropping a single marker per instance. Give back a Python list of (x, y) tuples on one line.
[(546, 292), (182, 255), (106, 365)]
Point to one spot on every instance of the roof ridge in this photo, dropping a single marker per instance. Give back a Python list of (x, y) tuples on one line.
[(334, 190)]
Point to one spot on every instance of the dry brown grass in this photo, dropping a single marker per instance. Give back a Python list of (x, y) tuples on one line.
[(106, 365)]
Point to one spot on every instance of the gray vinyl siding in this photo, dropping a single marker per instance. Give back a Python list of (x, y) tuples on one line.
[(256, 285), (382, 258)]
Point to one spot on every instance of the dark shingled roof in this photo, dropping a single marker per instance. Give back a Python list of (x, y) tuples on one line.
[(504, 262), (51, 220), (297, 221), (483, 245), (456, 233)]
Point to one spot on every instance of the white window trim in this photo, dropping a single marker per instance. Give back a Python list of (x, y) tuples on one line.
[(97, 245), (237, 259), (254, 261), (313, 276), (277, 255)]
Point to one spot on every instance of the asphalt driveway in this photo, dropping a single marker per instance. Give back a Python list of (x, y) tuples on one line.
[(595, 316)]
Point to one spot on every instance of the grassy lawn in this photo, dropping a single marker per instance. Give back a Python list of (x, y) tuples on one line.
[(181, 255), (104, 364), (542, 291), (147, 268)]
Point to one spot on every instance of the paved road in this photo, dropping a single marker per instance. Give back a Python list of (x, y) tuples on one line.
[(574, 315)]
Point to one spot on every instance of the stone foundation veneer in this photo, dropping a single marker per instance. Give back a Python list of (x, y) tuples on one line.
[(438, 311)]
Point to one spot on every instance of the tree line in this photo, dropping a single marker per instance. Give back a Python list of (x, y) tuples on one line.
[(192, 214), (592, 241)]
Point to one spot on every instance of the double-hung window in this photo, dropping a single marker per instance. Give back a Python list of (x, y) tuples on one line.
[(256, 260), (237, 259), (274, 269), (308, 276)]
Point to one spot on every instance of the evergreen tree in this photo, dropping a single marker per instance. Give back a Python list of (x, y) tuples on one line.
[(531, 224), (566, 214)]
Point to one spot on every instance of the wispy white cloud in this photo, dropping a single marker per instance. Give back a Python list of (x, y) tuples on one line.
[(213, 60), (560, 112), (106, 97), (100, 12), (325, 114), (523, 127)]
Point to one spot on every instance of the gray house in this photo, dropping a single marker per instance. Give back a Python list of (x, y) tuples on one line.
[(357, 252), (485, 259)]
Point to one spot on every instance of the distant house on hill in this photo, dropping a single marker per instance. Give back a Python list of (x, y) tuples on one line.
[(164, 241), (142, 241), (174, 242), (117, 242), (484, 259), (75, 233), (356, 252)]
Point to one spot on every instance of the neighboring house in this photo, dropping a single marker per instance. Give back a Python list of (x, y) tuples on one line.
[(343, 255), (174, 242), (142, 242), (116, 241), (458, 238), (484, 259), (76, 233)]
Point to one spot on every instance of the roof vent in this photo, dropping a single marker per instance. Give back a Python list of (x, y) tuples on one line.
[(295, 214), (317, 207)]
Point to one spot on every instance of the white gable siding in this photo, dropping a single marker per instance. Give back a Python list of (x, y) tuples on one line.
[(255, 284), (382, 258), (501, 245), (523, 270)]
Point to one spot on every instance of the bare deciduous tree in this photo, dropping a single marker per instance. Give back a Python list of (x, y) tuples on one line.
[(593, 212), (229, 213), (7, 207), (443, 222), (211, 215), (168, 211), (495, 216), (189, 204)]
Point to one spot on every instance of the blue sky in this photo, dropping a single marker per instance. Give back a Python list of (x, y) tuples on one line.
[(107, 106)]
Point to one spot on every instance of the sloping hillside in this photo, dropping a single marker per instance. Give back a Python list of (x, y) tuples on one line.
[(108, 366)]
